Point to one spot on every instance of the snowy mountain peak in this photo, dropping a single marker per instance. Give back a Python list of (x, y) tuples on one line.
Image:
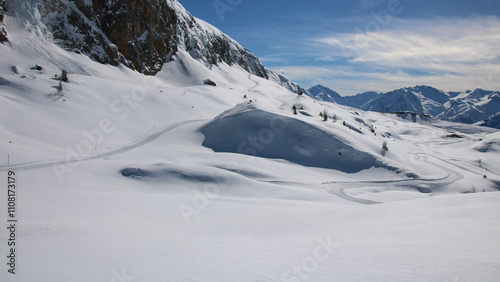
[(321, 92), (479, 94), (143, 35), (430, 93)]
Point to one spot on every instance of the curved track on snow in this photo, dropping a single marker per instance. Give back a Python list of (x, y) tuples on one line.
[(116, 151), (425, 185), (257, 84)]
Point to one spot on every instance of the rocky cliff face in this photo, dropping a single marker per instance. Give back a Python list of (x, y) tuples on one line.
[(142, 35), (3, 33)]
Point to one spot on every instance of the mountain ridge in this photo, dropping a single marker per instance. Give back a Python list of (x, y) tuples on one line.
[(114, 32), (471, 107)]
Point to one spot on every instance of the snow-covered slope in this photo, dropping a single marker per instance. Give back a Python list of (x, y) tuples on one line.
[(126, 177), (286, 138)]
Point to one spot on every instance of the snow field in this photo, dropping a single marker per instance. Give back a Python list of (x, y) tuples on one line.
[(132, 178)]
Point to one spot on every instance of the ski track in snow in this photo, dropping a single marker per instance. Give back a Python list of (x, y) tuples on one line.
[(257, 84), (116, 151), (421, 185)]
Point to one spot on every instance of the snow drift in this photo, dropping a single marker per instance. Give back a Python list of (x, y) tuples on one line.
[(248, 130)]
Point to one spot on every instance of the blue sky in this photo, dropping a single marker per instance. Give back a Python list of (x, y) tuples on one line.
[(367, 45)]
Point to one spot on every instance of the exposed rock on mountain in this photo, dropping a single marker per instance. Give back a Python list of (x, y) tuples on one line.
[(142, 35), (3, 33)]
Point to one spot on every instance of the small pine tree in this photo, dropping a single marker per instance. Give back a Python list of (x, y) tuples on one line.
[(244, 97), (64, 76), (325, 115), (294, 109), (384, 146), (343, 123), (334, 118), (60, 89)]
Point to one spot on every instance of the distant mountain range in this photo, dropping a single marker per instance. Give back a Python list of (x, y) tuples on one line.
[(473, 107)]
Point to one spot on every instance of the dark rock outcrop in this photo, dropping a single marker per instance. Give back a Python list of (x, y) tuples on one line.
[(142, 35), (3, 32), (209, 82)]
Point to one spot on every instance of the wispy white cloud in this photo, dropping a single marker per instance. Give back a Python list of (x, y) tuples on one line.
[(446, 41), (451, 54), (349, 80), (326, 59)]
